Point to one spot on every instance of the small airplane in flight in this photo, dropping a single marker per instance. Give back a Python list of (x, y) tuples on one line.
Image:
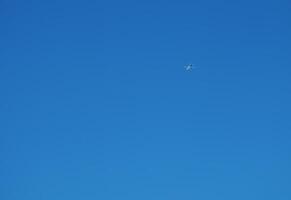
[(189, 67)]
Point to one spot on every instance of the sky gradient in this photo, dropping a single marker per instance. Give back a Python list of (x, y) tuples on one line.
[(95, 102)]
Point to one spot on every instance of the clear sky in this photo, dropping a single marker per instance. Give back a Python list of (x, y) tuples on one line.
[(95, 102)]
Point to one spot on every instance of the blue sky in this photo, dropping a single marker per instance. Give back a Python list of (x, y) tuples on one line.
[(95, 103)]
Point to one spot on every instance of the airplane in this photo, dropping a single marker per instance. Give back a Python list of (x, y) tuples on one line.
[(189, 67)]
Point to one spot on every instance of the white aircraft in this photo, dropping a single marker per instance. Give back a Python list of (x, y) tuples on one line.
[(189, 67)]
